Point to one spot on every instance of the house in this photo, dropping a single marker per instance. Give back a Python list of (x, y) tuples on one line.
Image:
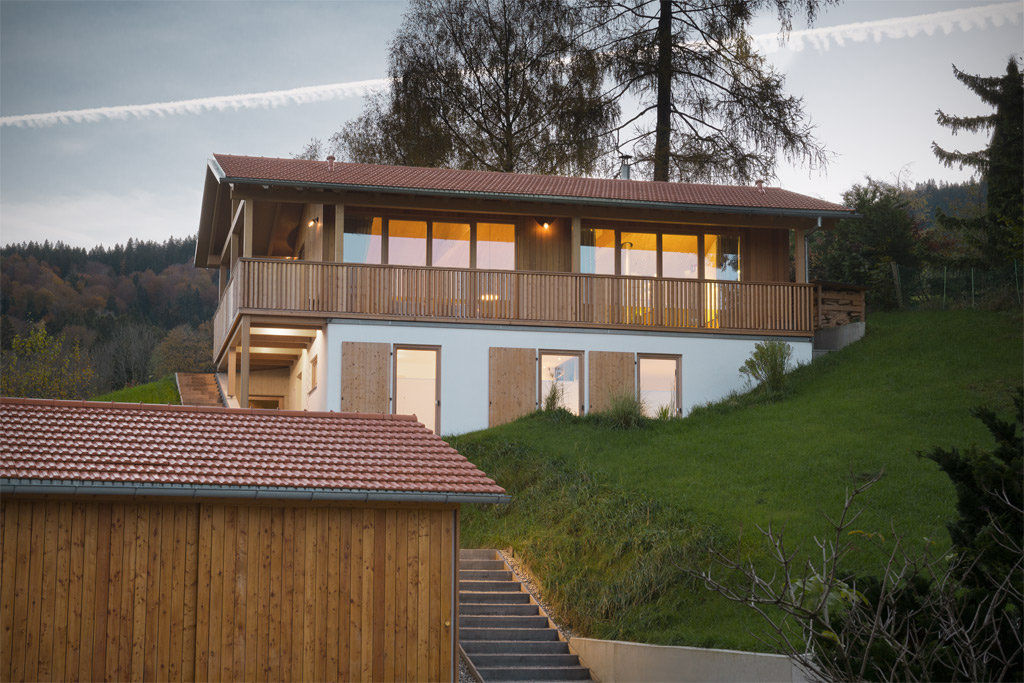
[(463, 296), (169, 543)]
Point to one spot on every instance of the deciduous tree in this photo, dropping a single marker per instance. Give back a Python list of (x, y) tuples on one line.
[(40, 365)]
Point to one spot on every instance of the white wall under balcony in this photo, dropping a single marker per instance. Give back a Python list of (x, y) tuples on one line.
[(710, 363)]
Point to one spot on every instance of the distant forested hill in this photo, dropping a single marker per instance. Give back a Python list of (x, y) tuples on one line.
[(116, 303)]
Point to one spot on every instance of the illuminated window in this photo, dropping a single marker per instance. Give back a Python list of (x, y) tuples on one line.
[(639, 253), (597, 251), (562, 371), (679, 256), (658, 382), (721, 258), (362, 239), (416, 384), (450, 248), (407, 243), (496, 246), (312, 373)]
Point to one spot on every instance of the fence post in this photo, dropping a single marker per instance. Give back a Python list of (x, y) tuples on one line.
[(972, 287), (944, 268)]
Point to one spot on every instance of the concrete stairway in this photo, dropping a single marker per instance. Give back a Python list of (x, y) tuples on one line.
[(504, 633), (198, 389)]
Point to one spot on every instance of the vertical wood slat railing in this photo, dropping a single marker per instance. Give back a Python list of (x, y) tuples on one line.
[(277, 285)]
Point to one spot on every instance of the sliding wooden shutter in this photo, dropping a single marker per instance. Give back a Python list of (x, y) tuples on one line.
[(512, 386), (364, 377), (611, 373)]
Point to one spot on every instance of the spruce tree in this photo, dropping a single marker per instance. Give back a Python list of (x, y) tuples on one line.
[(1001, 164)]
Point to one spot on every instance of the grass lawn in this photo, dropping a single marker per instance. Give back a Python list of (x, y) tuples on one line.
[(163, 390), (610, 519)]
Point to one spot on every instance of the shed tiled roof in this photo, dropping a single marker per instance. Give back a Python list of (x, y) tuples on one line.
[(462, 182), (186, 445)]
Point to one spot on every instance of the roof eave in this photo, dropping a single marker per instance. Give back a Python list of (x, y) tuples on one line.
[(10, 486), (560, 199)]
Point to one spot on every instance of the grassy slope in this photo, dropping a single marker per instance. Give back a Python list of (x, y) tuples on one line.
[(605, 516), (163, 390)]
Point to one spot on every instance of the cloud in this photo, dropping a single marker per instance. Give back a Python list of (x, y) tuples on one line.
[(815, 38), (100, 218), (260, 100), (893, 29)]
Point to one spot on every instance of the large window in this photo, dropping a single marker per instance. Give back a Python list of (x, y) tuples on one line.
[(496, 246), (362, 240), (721, 258), (658, 384), (597, 251), (407, 243), (416, 384), (680, 256), (639, 254), (450, 246), (560, 372)]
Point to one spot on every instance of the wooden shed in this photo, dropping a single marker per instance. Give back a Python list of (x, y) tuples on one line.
[(180, 543)]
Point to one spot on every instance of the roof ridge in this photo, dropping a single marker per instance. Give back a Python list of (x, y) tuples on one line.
[(221, 410)]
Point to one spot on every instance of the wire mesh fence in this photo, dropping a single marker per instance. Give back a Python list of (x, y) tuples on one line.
[(942, 287)]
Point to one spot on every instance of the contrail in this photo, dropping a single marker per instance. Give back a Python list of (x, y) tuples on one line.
[(817, 38), (259, 100)]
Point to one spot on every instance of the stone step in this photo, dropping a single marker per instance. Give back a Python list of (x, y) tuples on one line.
[(473, 609), (484, 575), (507, 634), (514, 647), (503, 621), (531, 660), (499, 586), (566, 673), (482, 564), (478, 554), (493, 597)]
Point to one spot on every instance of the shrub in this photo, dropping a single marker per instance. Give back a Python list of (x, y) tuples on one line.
[(625, 412), (767, 366), (553, 399)]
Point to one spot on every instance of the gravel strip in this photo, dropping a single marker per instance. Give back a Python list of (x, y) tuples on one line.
[(532, 585), (464, 674)]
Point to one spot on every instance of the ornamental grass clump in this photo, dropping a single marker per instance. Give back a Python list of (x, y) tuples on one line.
[(767, 366), (625, 412)]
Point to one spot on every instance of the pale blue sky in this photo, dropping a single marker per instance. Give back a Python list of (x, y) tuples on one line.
[(103, 182)]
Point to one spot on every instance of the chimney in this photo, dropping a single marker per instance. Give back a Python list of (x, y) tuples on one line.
[(760, 186), (624, 168), (330, 162)]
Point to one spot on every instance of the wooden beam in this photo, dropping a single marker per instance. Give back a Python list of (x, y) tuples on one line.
[(575, 242), (243, 342), (339, 233), (232, 372), (800, 254), (249, 210), (222, 279)]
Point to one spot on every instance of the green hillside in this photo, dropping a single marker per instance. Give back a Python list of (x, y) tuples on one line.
[(163, 390), (610, 519)]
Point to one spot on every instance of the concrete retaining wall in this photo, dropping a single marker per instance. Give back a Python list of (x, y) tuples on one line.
[(835, 338), (614, 660)]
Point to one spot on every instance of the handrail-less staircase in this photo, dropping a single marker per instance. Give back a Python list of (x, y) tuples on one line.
[(503, 631)]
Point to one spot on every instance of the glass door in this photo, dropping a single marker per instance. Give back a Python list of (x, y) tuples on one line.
[(417, 384)]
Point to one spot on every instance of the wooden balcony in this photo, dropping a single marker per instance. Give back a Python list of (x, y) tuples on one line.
[(343, 290)]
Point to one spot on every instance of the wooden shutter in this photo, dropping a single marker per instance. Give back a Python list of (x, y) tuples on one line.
[(512, 385), (611, 373), (364, 377)]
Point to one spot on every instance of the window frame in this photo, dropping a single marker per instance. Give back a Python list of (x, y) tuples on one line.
[(580, 355), (395, 348), (678, 358)]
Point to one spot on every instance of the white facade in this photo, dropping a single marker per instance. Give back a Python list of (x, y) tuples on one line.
[(709, 368)]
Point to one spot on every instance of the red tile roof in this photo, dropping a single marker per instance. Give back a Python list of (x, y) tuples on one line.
[(460, 182), (185, 445)]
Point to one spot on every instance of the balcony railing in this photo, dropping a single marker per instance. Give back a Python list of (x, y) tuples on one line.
[(273, 286)]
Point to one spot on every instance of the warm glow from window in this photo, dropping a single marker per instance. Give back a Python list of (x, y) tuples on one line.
[(679, 256), (639, 254), (659, 384), (597, 251), (450, 247), (362, 241), (407, 243), (416, 385), (562, 371), (496, 246)]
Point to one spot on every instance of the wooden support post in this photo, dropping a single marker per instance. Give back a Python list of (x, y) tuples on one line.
[(232, 372), (243, 383), (800, 255), (339, 232), (222, 279), (233, 256), (575, 244), (247, 221)]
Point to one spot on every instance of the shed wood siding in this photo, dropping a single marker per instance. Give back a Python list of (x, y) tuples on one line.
[(764, 255), (142, 590), (512, 384), (364, 377), (612, 373)]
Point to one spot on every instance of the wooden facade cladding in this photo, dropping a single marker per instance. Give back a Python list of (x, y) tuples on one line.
[(365, 368), (338, 290), (161, 590), (512, 384), (612, 373)]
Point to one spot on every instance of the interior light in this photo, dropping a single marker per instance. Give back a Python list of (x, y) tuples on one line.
[(314, 223), (547, 226)]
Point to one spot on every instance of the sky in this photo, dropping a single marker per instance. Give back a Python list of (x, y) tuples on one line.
[(100, 178)]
